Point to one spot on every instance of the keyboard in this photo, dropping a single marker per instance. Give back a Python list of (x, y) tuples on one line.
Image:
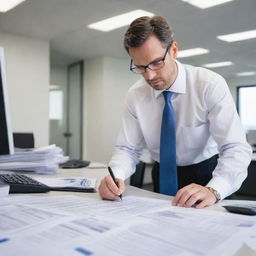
[(70, 164), (242, 209), (20, 183)]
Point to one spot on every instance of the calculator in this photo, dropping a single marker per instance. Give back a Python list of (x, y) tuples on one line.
[(20, 183), (241, 209)]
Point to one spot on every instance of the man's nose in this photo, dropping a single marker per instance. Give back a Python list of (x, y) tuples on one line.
[(149, 74)]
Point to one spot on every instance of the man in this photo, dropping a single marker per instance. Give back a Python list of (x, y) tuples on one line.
[(208, 147)]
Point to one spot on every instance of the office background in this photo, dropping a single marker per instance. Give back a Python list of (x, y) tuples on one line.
[(49, 48)]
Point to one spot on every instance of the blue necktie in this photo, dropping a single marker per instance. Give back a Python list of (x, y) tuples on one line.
[(168, 169)]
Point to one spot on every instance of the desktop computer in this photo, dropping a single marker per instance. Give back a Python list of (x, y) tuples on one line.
[(6, 137)]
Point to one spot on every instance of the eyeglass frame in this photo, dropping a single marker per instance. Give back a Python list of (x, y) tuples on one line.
[(132, 67)]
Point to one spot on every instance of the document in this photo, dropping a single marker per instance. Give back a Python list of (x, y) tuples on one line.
[(15, 218), (251, 240), (73, 225), (118, 210), (178, 231), (69, 183), (43, 160)]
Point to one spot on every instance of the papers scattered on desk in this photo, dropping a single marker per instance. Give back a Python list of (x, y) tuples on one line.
[(70, 183), (72, 225), (44, 160)]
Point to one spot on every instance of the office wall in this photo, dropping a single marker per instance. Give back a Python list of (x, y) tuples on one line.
[(27, 65), (106, 81)]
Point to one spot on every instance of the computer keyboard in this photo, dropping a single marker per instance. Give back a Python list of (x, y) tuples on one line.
[(20, 183), (74, 164)]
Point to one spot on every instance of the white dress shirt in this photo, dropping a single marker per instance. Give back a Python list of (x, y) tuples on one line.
[(207, 123)]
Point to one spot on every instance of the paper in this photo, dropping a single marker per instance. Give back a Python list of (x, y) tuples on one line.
[(245, 250), (251, 239), (44, 160), (72, 225), (70, 182)]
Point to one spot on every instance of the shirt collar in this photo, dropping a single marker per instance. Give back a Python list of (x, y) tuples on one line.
[(179, 85)]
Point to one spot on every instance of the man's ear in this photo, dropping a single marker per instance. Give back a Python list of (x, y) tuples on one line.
[(174, 50)]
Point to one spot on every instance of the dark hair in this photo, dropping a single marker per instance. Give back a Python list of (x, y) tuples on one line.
[(142, 28)]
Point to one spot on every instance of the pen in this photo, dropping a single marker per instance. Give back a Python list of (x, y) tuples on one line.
[(114, 179)]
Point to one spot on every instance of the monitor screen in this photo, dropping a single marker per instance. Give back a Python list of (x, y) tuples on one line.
[(6, 139)]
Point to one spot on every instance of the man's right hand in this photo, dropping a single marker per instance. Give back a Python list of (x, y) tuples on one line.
[(109, 190)]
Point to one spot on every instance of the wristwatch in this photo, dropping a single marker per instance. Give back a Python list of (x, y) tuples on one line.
[(216, 194)]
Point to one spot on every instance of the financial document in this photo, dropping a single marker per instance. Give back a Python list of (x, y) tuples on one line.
[(73, 225)]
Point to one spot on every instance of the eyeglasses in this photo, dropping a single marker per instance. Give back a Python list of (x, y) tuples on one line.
[(154, 65)]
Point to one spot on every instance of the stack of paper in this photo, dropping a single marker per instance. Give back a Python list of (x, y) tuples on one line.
[(44, 160)]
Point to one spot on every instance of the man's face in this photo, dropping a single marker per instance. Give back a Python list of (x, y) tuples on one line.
[(151, 51)]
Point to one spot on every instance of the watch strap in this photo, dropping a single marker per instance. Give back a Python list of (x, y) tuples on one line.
[(216, 194)]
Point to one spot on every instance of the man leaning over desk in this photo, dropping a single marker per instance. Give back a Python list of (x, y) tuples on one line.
[(185, 116)]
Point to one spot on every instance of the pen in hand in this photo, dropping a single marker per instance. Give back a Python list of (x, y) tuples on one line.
[(114, 179)]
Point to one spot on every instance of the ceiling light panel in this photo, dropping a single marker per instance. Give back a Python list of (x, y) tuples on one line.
[(218, 64), (249, 73), (250, 34), (119, 20), (203, 4), (6, 5), (192, 52)]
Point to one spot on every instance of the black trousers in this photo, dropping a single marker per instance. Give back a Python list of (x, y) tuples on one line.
[(200, 173)]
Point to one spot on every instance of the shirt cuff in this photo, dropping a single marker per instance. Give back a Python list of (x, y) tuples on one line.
[(223, 187)]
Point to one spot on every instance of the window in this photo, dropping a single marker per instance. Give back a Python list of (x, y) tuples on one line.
[(246, 105), (56, 104)]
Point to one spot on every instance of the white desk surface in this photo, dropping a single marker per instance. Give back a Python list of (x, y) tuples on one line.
[(130, 190)]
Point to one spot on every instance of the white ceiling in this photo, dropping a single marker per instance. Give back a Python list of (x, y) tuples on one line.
[(64, 24)]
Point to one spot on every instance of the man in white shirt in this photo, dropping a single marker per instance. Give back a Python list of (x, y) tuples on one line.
[(212, 154)]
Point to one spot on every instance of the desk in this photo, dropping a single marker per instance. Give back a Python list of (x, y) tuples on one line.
[(130, 190), (129, 240)]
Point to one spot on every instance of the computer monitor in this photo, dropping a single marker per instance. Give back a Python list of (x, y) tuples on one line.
[(6, 138)]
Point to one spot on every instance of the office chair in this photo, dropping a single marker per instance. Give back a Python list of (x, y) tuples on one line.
[(23, 140), (248, 188), (136, 179)]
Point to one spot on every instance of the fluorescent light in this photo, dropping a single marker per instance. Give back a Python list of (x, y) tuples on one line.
[(218, 64), (238, 36), (6, 5), (119, 20), (203, 4), (249, 73), (192, 52)]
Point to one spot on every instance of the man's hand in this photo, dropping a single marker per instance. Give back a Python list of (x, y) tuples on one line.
[(194, 195), (109, 190)]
